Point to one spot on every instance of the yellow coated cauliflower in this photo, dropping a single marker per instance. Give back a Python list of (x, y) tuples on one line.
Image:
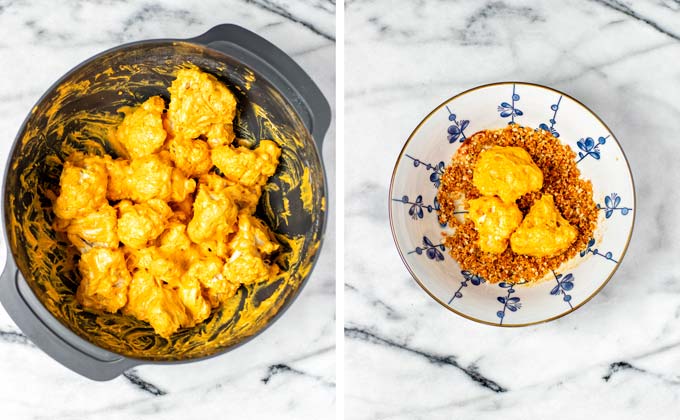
[(163, 236)]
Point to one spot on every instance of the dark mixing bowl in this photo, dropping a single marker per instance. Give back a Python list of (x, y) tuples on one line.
[(277, 101)]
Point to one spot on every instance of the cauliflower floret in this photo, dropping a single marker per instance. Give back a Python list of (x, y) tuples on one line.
[(246, 166), (141, 179), (96, 229), (164, 267), (140, 223), (159, 305), (191, 156), (141, 132), (191, 295), (181, 186), (246, 264), (104, 279), (543, 232), (208, 272), (246, 198), (200, 105), (214, 217), (83, 187)]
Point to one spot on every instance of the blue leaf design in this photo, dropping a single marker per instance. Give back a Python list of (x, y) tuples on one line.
[(617, 200), (506, 105), (624, 211), (518, 112), (608, 202), (464, 124), (501, 299), (608, 214), (555, 290), (500, 314), (506, 114), (453, 129), (431, 253), (595, 154), (427, 241), (590, 143)]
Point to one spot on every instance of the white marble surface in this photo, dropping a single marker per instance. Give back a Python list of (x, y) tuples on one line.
[(618, 357), (288, 372)]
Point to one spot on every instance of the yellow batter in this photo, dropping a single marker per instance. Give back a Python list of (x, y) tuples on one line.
[(495, 221), (502, 175), (162, 236), (543, 232), (508, 172)]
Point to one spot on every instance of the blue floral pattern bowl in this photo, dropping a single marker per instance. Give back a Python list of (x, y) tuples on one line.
[(418, 233)]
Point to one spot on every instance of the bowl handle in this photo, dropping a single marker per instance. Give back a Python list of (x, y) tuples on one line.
[(277, 67), (46, 332)]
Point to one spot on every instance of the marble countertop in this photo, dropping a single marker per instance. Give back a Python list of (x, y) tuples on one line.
[(288, 372), (618, 357)]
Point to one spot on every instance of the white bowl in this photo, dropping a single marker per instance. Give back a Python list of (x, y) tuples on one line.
[(413, 207)]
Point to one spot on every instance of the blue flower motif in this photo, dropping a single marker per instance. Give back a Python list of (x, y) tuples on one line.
[(432, 251), (509, 303), (595, 251), (551, 129), (589, 147), (509, 110), (437, 170), (564, 284), (474, 279), (457, 129), (611, 203), (416, 211)]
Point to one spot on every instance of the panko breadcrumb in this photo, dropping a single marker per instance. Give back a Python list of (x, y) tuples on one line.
[(561, 177)]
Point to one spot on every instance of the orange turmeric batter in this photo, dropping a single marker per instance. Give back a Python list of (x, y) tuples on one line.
[(163, 236)]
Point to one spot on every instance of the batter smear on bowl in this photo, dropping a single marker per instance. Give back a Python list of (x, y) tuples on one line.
[(526, 208)]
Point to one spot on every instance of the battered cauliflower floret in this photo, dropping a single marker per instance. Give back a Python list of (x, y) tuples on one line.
[(508, 172), (246, 198), (544, 232), (181, 186), (200, 105), (83, 185), (163, 266), (214, 217), (495, 221), (246, 264), (140, 223), (156, 304), (96, 229), (191, 294), (208, 272), (104, 279), (141, 132), (191, 156), (245, 166), (141, 179)]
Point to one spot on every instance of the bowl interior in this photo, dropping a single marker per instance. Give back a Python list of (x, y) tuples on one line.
[(78, 114), (413, 208)]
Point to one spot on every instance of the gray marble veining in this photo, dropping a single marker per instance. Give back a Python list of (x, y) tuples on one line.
[(406, 357), (286, 373)]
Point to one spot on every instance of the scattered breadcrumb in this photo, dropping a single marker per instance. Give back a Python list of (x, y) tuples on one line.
[(561, 178)]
